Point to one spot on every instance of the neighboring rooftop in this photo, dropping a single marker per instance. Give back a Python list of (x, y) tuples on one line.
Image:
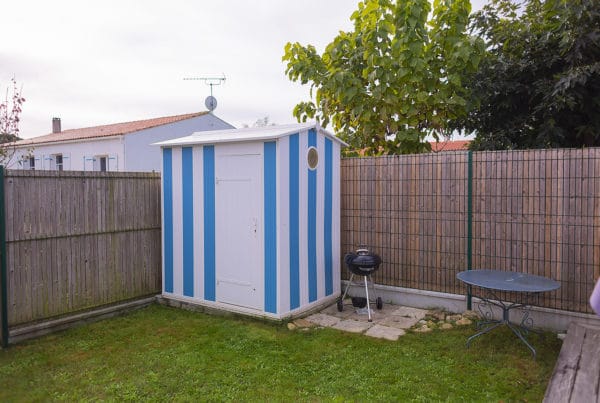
[(449, 145), (115, 129), (438, 146)]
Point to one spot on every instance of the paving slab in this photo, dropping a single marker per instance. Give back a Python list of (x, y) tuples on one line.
[(322, 319), (361, 315), (390, 322), (399, 322), (385, 332), (352, 326), (333, 311), (409, 312)]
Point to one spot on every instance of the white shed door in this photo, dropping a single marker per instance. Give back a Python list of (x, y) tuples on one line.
[(239, 225)]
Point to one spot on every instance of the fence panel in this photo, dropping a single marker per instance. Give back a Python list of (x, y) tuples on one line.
[(534, 211), (538, 214), (77, 240), (412, 211)]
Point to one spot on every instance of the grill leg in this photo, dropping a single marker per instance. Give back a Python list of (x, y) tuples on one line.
[(348, 286), (372, 286), (368, 303)]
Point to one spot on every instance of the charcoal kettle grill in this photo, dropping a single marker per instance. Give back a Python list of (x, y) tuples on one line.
[(362, 263)]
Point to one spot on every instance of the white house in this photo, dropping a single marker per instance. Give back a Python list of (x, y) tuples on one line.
[(115, 147)]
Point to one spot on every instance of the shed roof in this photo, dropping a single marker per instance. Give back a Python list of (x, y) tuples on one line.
[(115, 129), (246, 134)]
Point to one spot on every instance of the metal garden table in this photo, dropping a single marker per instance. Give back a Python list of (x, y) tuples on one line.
[(526, 287)]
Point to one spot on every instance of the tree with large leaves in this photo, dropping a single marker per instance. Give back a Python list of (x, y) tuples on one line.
[(539, 84), (395, 79)]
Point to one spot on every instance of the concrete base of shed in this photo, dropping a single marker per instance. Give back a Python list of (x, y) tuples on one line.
[(217, 308), (543, 318)]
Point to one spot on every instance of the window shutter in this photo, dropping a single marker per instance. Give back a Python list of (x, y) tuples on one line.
[(38, 162), (66, 161), (88, 163), (112, 162), (49, 163)]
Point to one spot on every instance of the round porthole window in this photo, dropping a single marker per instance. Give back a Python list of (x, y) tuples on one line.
[(313, 158)]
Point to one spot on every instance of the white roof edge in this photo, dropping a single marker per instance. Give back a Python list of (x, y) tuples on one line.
[(331, 136), (246, 134)]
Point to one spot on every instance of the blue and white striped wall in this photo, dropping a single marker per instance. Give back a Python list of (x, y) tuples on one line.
[(300, 219)]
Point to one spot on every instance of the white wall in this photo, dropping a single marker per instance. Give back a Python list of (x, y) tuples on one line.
[(141, 156), (77, 156), (131, 152)]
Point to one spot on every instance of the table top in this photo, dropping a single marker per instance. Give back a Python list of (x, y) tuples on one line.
[(507, 280)]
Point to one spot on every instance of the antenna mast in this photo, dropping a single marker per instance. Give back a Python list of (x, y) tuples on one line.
[(210, 102)]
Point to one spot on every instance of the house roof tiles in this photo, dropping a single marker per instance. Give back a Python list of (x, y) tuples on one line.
[(115, 129), (449, 145)]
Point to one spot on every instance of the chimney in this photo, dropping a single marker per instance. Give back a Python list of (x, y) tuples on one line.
[(55, 125)]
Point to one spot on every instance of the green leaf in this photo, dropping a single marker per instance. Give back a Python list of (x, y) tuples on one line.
[(391, 72)]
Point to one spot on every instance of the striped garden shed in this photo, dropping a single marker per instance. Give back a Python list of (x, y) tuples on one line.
[(251, 219)]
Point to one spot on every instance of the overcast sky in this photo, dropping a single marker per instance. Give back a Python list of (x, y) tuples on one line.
[(101, 62)]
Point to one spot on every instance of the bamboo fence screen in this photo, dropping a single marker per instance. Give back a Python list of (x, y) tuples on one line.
[(534, 211)]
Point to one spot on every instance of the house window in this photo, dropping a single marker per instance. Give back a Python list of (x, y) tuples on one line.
[(101, 163), (58, 162), (31, 162)]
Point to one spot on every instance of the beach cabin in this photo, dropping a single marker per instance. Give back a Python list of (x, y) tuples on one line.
[(251, 219)]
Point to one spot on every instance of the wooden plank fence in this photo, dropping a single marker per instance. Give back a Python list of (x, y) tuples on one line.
[(534, 211), (79, 240)]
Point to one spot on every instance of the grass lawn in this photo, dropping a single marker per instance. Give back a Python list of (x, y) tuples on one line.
[(160, 353)]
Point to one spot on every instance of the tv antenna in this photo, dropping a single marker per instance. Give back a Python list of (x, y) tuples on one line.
[(210, 102)]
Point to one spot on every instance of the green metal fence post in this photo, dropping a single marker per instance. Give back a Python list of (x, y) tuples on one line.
[(469, 222), (3, 285)]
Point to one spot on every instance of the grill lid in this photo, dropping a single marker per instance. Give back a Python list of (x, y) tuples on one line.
[(362, 262)]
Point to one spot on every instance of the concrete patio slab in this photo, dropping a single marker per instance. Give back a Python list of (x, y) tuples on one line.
[(362, 316), (332, 310), (409, 312), (321, 319), (399, 322), (389, 323), (385, 332), (352, 326)]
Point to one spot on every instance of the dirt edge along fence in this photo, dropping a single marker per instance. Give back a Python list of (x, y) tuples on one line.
[(79, 240), (533, 211)]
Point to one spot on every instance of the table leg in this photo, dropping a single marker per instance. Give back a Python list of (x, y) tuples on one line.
[(516, 331), (484, 331), (490, 324)]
